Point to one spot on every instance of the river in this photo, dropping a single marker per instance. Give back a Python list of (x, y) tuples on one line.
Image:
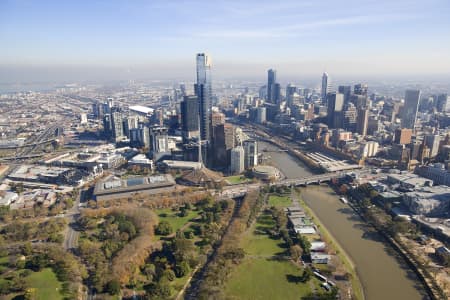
[(382, 273)]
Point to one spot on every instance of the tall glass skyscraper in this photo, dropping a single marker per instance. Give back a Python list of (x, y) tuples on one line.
[(325, 88), (271, 81), (409, 111), (203, 90)]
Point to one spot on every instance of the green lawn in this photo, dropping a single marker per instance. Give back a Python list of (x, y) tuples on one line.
[(280, 201), (261, 277), (236, 179), (266, 279), (46, 284), (257, 243), (172, 217)]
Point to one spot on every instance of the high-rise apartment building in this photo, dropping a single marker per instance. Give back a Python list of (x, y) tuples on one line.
[(237, 160), (271, 81), (203, 90), (409, 110), (325, 88)]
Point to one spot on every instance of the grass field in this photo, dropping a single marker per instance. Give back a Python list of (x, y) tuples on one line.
[(256, 242), (259, 276), (46, 284), (172, 217), (279, 201), (236, 179), (266, 279)]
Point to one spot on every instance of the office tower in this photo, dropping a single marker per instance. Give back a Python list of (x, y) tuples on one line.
[(409, 111), (189, 117), (204, 93), (442, 103), (251, 153), (276, 93), (433, 141), (271, 80), (261, 115), (403, 136), (360, 89), (362, 121), (117, 126), (374, 125), (183, 89), (350, 117), (346, 90), (335, 107), (237, 160), (107, 126), (159, 142), (95, 110), (325, 88), (290, 90), (223, 142), (220, 151)]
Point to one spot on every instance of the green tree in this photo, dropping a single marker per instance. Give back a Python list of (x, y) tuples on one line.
[(164, 228), (182, 269), (113, 287)]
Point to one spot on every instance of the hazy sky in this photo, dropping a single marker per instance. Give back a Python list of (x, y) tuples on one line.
[(160, 38)]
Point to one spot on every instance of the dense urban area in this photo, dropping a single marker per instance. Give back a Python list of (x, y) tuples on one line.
[(226, 190)]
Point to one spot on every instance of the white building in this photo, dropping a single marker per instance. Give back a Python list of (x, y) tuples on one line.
[(432, 142), (261, 115), (369, 149), (83, 118), (251, 154), (237, 160)]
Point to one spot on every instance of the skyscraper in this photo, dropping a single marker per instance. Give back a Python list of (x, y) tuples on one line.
[(346, 90), (159, 143), (442, 103), (189, 117), (325, 88), (271, 80), (432, 141), (335, 110), (362, 121), (361, 89), (203, 90), (117, 126), (409, 111)]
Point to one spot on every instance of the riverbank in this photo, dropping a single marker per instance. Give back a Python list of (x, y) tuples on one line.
[(333, 243), (382, 272)]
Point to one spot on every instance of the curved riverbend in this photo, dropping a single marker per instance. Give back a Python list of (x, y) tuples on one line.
[(384, 275)]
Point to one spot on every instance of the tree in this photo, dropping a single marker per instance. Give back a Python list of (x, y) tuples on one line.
[(182, 269), (164, 228), (30, 294), (296, 252), (113, 287)]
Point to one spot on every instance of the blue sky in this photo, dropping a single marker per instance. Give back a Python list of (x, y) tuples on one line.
[(302, 36)]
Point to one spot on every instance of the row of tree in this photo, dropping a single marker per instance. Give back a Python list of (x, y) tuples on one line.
[(228, 252)]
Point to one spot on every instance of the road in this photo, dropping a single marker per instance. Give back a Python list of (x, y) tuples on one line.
[(71, 235)]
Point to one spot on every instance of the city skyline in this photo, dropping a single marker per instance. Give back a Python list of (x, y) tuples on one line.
[(117, 40)]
